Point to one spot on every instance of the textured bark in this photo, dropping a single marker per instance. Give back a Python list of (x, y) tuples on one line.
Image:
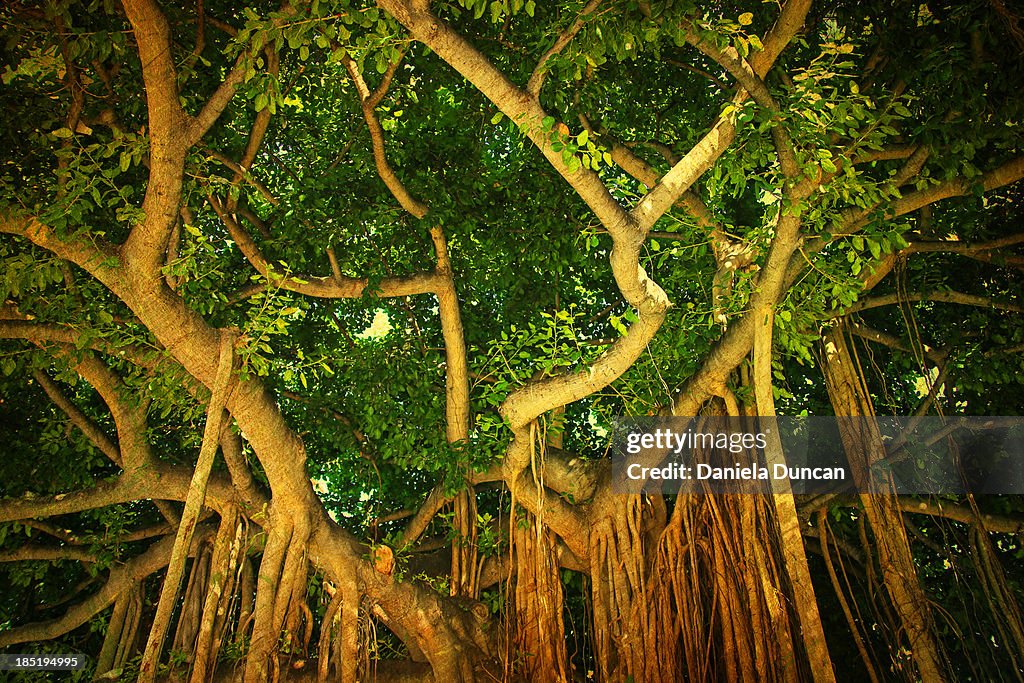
[(864, 447), (704, 596), (795, 558), (539, 627), (193, 505), (221, 571)]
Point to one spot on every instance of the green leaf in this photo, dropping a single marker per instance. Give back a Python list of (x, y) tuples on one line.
[(875, 248)]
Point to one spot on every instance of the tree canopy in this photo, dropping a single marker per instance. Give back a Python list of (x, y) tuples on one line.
[(316, 316)]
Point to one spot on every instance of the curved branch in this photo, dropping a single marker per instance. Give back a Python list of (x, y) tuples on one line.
[(886, 154), (536, 398), (242, 172), (119, 579), (78, 418), (722, 245), (63, 535), (130, 420), (536, 81), (99, 259), (321, 287), (456, 365), (987, 252), (722, 85), (515, 103), (153, 482), (431, 506), (36, 553), (949, 297), (368, 102)]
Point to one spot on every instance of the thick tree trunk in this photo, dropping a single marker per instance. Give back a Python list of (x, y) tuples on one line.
[(626, 639), (794, 556), (539, 624)]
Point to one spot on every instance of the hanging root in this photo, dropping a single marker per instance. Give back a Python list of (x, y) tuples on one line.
[(347, 642), (129, 642), (246, 602), (262, 659), (105, 661), (328, 635), (192, 604), (290, 607), (858, 639), (625, 636), (281, 621), (848, 392), (712, 607), (1002, 602), (231, 595), (464, 546), (122, 631), (221, 573), (190, 515), (540, 626)]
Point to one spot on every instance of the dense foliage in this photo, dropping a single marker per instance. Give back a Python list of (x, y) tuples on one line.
[(440, 246)]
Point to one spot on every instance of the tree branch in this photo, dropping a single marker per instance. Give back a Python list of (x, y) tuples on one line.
[(218, 102), (168, 133), (514, 103), (1005, 524), (703, 155), (321, 287), (37, 553), (894, 342), (119, 579), (1009, 172), (942, 296), (536, 398), (729, 59), (536, 81), (78, 418), (124, 488), (368, 102)]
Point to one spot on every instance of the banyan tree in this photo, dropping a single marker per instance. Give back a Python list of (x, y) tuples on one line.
[(316, 317)]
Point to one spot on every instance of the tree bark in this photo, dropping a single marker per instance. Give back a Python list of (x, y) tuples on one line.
[(864, 447)]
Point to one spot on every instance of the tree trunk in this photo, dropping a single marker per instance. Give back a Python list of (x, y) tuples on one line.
[(864, 447)]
